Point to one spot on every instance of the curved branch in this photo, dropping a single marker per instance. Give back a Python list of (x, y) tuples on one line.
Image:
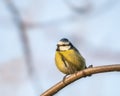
[(80, 74)]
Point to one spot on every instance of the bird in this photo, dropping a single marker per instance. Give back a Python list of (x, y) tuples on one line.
[(67, 58)]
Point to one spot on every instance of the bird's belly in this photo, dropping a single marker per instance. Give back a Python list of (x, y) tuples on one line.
[(70, 65), (67, 68)]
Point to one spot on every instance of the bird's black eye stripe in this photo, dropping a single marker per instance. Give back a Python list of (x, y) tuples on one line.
[(63, 45)]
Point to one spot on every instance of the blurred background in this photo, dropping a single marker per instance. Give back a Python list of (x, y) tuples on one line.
[(30, 30)]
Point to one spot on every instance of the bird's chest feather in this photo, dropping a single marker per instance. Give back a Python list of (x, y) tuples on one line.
[(68, 61), (71, 56)]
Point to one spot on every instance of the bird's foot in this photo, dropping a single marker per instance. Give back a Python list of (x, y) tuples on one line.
[(90, 66), (64, 78)]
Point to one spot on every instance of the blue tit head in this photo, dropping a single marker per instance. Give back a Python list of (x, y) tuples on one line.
[(64, 44)]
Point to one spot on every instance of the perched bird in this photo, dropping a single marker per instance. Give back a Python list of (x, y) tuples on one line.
[(67, 58)]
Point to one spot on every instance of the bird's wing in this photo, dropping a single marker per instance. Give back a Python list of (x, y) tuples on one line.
[(64, 60)]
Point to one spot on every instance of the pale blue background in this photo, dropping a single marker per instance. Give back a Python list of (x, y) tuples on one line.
[(95, 33)]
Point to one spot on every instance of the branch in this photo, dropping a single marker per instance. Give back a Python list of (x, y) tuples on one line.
[(80, 74), (23, 33), (79, 9)]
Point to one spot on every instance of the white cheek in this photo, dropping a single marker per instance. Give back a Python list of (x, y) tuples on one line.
[(63, 48)]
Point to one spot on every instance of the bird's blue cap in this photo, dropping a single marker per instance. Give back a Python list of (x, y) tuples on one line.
[(64, 40)]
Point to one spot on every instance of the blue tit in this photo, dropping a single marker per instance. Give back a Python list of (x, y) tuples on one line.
[(67, 58)]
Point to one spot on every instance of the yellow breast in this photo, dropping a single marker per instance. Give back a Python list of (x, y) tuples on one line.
[(69, 61)]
